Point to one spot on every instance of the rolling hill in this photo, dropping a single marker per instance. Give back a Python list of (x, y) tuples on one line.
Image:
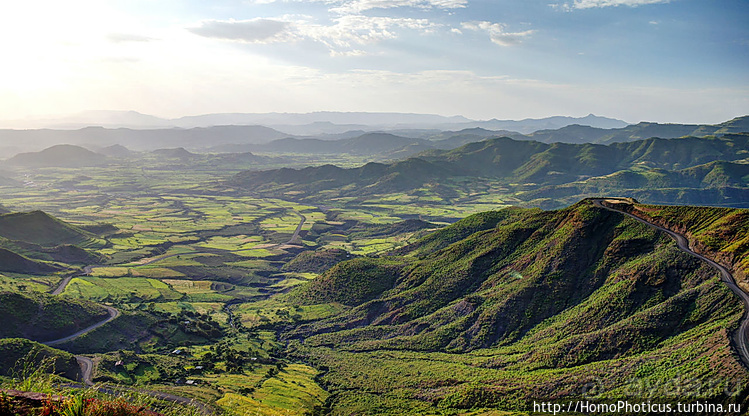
[(150, 139), (16, 263), (508, 307), (61, 155), (577, 133), (38, 227), (538, 170), (42, 317), (15, 353), (176, 153)]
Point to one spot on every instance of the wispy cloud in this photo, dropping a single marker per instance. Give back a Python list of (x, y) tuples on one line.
[(589, 4), (342, 37), (498, 32), (252, 31), (361, 30)]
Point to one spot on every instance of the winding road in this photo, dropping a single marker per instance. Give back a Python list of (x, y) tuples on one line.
[(742, 334), (113, 313), (87, 367)]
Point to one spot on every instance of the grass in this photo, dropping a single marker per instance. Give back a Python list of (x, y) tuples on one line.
[(121, 289), (276, 311)]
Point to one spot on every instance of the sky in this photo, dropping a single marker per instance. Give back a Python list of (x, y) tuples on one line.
[(683, 61)]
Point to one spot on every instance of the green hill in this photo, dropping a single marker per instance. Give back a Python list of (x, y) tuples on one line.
[(40, 228), (721, 233), (116, 150), (62, 155), (63, 253), (352, 282), (16, 263), (530, 303), (713, 183), (380, 144), (537, 171), (316, 261), (42, 317), (176, 153), (368, 179), (18, 355)]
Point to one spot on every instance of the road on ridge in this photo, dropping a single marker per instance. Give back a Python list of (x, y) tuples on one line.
[(742, 335)]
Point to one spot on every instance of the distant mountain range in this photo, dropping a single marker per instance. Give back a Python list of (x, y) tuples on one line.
[(383, 144), (664, 170), (140, 139), (70, 156), (304, 124)]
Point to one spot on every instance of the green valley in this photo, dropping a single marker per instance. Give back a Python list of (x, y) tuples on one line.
[(474, 278)]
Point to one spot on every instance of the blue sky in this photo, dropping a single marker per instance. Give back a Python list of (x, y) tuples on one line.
[(667, 61)]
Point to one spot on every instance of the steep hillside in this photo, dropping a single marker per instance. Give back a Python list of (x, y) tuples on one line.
[(37, 227), (17, 353), (721, 233), (63, 155), (16, 263), (42, 317), (535, 302)]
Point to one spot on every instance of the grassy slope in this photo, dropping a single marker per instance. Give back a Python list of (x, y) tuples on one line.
[(40, 228), (16, 263), (721, 233), (43, 317), (534, 305), (18, 355)]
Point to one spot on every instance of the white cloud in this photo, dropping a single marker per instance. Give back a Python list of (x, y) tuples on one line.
[(252, 31), (358, 6), (345, 33), (589, 4), (498, 33), (361, 30)]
